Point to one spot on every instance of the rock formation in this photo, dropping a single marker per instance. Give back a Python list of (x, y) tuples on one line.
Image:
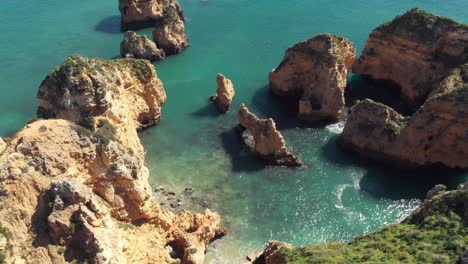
[(415, 51), (436, 134), (434, 233), (81, 193), (82, 89), (138, 14), (140, 47), (315, 72), (169, 32), (271, 253), (269, 144), (224, 93), (3, 145)]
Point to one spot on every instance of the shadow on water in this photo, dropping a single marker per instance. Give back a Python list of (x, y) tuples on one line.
[(383, 181), (333, 153), (282, 110), (241, 158), (110, 25), (209, 110)]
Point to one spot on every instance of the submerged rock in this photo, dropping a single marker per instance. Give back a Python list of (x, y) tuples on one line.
[(437, 134), (269, 143), (415, 51), (83, 194), (224, 93), (140, 47), (138, 14), (169, 32), (315, 72)]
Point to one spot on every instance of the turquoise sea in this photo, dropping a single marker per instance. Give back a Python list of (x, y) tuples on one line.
[(336, 197)]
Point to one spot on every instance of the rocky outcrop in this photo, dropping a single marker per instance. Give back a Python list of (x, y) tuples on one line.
[(76, 193), (434, 233), (436, 134), (269, 144), (169, 32), (138, 14), (224, 93), (271, 253), (82, 90), (3, 145), (315, 73), (415, 51), (140, 47)]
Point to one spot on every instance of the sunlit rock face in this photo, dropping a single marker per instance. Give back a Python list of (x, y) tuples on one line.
[(269, 144), (415, 51), (314, 72), (138, 14), (437, 134), (77, 187)]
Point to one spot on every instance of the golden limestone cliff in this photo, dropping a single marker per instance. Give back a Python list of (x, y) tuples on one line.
[(167, 19), (314, 72), (169, 32), (140, 47), (75, 186), (415, 51), (137, 14), (436, 134)]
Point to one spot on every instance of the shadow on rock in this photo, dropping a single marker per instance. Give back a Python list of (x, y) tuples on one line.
[(110, 25), (383, 182), (39, 220), (386, 92), (242, 158)]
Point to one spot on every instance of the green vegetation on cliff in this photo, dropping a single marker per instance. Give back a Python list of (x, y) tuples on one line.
[(436, 233), (421, 26)]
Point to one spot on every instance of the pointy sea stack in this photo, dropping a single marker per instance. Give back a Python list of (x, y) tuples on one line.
[(269, 144)]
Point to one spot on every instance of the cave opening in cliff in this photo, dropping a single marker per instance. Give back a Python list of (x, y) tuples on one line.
[(176, 248), (387, 92)]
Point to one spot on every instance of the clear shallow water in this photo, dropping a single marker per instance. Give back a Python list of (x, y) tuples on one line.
[(335, 198)]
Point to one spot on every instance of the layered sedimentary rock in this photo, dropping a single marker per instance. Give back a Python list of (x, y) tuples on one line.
[(76, 193), (224, 93), (138, 14), (436, 134), (434, 233), (123, 90), (169, 32), (415, 51), (269, 144), (140, 47), (315, 73)]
